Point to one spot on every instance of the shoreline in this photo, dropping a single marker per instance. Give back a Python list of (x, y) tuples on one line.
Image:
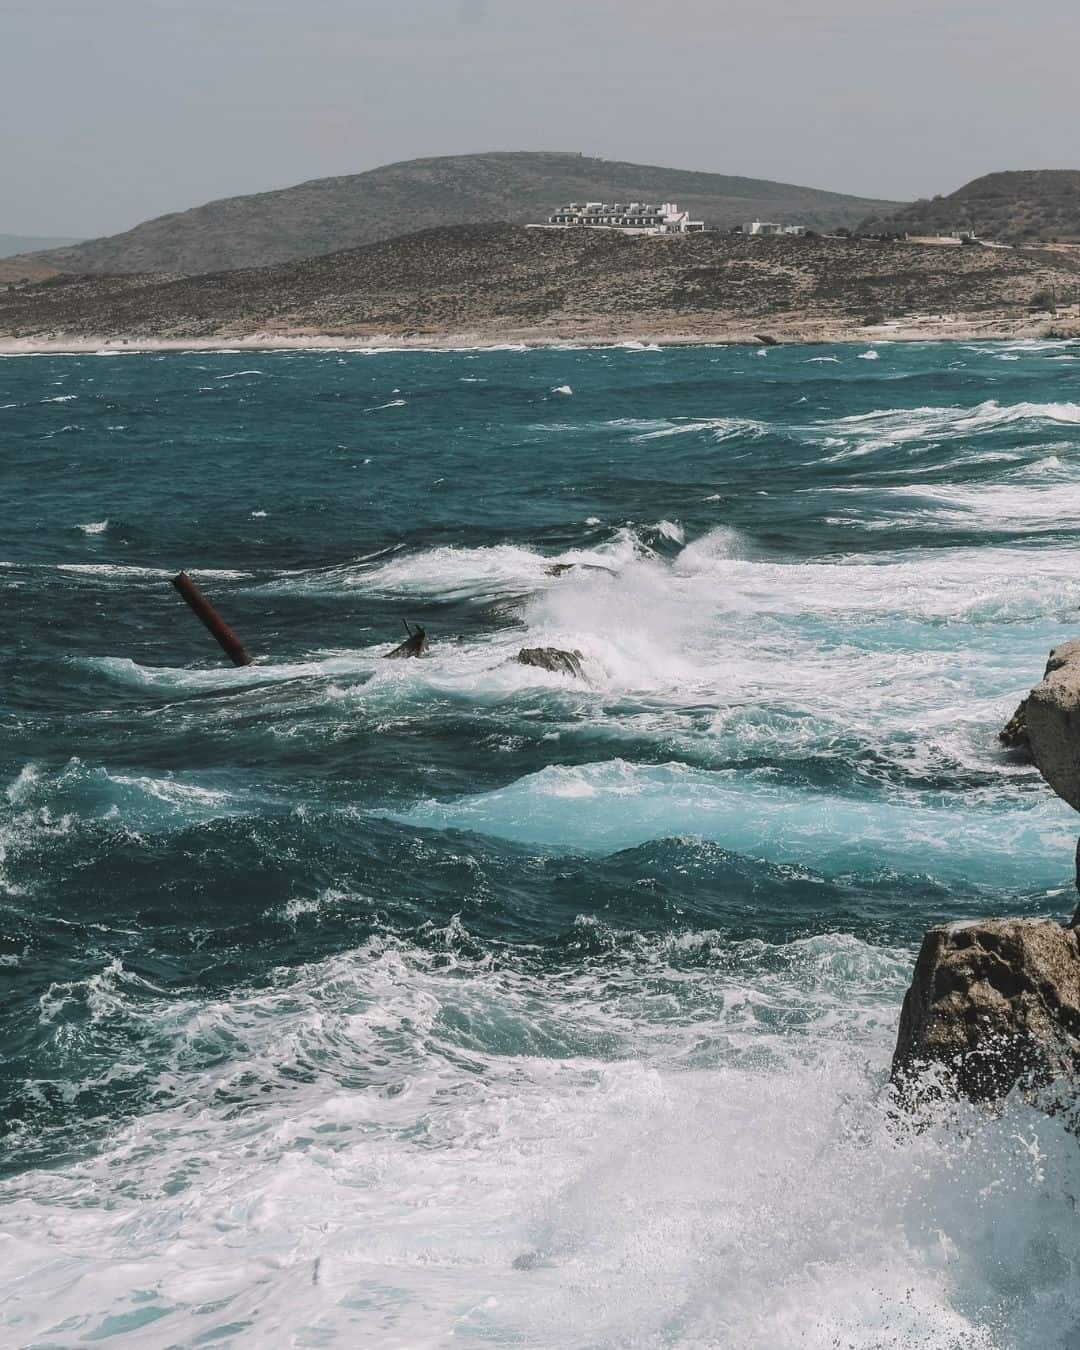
[(474, 287), (470, 343), (784, 329)]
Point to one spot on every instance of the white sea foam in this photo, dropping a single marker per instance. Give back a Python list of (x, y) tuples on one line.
[(724, 657), (1032, 346), (721, 428), (1034, 496), (1053, 505), (42, 805), (461, 573), (641, 423), (562, 389), (94, 527), (373, 1157), (415, 1145), (117, 570), (122, 571), (140, 794), (864, 433), (174, 680), (726, 654)]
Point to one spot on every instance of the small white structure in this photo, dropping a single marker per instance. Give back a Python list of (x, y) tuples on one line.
[(773, 227), (629, 217)]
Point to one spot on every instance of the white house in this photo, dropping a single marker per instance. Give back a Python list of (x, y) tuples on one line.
[(629, 217), (773, 227)]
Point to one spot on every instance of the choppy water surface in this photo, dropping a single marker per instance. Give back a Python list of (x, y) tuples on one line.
[(348, 1002)]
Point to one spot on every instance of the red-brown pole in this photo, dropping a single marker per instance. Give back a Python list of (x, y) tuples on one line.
[(228, 641)]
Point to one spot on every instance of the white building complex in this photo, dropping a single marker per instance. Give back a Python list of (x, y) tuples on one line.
[(630, 217), (772, 227)]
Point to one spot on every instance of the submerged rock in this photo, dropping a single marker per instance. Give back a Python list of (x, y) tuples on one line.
[(561, 569), (551, 658), (992, 1003), (1052, 718), (416, 644)]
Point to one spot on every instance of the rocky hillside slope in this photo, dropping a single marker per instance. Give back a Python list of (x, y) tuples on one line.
[(12, 244), (1025, 206), (492, 280), (330, 214)]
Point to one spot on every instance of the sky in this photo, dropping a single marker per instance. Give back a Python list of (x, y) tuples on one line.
[(119, 110)]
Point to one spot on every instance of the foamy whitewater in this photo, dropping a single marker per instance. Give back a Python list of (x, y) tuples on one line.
[(405, 1004)]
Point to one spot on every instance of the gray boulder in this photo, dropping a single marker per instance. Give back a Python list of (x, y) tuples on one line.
[(1051, 715), (551, 658), (992, 1003)]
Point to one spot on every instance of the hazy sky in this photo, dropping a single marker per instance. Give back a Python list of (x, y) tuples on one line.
[(117, 110)]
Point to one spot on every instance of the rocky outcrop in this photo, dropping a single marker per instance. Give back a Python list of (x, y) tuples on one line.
[(551, 658), (992, 1004), (1013, 735), (1052, 720), (997, 1002), (416, 644)]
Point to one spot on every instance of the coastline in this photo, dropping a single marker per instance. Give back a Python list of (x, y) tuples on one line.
[(884, 561), (487, 286), (786, 330)]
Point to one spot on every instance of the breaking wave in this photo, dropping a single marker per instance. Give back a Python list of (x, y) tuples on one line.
[(459, 1000)]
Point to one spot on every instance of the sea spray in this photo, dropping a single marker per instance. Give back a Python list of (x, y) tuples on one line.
[(351, 1000)]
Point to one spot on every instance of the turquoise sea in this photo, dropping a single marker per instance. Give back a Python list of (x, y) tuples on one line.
[(347, 1002)]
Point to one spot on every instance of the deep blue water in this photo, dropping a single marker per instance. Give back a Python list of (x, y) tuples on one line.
[(359, 1002)]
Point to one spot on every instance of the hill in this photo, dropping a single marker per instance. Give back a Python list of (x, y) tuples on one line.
[(11, 244), (1015, 207), (491, 283), (329, 214)]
